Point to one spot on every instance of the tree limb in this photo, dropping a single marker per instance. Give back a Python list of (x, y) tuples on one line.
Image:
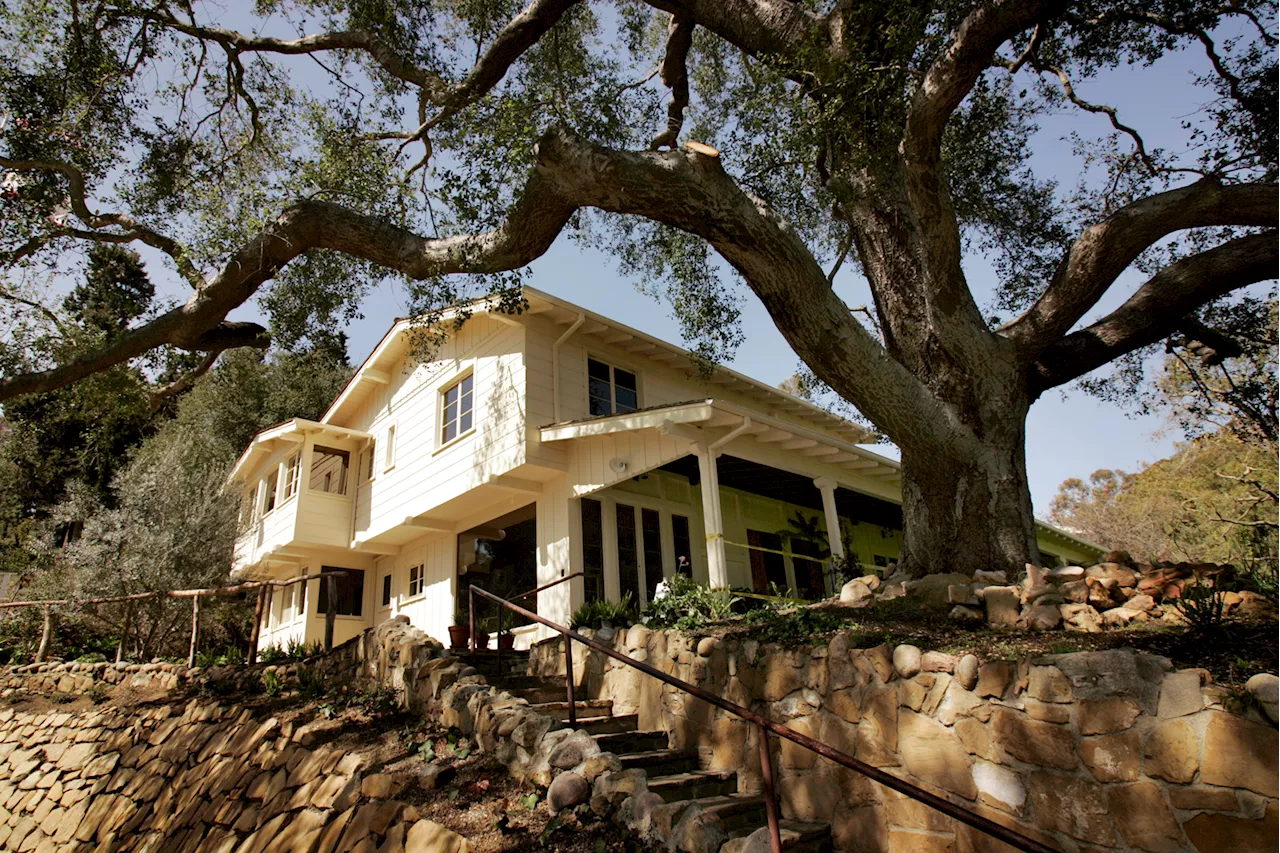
[(77, 195), (683, 189), (675, 76), (1106, 249), (40, 307), (378, 50), (1157, 309)]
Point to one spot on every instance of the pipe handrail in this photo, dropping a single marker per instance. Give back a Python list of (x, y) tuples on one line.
[(1002, 833), (471, 605)]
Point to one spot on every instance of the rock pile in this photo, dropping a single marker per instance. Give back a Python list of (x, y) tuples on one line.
[(1114, 593)]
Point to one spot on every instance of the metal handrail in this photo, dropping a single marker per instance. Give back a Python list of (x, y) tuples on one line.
[(471, 606), (765, 727)]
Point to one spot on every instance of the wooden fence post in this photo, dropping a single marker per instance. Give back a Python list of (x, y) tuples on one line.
[(330, 612), (257, 625), (46, 636), (195, 630), (124, 632)]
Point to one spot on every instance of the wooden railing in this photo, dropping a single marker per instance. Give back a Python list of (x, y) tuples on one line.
[(266, 589), (766, 727)]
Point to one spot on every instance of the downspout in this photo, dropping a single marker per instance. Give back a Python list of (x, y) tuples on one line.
[(555, 365)]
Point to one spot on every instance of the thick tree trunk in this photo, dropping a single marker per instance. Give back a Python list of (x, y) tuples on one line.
[(967, 511)]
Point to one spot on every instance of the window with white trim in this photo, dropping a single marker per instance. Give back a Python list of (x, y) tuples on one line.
[(386, 590), (369, 461), (249, 509), (269, 487), (292, 470), (389, 460), (416, 580), (457, 402), (610, 389)]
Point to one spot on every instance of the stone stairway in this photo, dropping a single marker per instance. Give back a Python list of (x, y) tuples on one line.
[(673, 775)]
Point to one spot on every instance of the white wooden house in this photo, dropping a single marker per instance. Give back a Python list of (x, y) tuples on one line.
[(530, 447)]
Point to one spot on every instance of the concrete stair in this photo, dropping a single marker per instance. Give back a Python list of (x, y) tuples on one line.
[(672, 774)]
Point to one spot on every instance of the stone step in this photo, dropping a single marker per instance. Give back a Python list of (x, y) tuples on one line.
[(797, 836), (608, 725), (660, 762), (514, 682), (694, 785), (584, 707), (621, 743), (736, 811), (538, 695)]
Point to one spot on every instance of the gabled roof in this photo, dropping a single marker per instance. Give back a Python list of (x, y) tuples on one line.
[(395, 343)]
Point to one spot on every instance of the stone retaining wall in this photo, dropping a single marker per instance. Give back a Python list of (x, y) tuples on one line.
[(1107, 750), (199, 777)]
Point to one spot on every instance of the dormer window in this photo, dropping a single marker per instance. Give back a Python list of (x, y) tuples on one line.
[(610, 390)]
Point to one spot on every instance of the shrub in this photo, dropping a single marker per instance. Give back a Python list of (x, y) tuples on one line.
[(272, 684), (683, 603), (1202, 606), (594, 613)]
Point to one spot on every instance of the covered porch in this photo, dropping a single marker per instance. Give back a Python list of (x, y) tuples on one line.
[(733, 497)]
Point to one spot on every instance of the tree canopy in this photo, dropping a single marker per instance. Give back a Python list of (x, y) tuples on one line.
[(301, 152)]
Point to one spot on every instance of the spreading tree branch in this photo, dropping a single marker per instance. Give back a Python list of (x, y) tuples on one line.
[(133, 228), (683, 189), (1106, 249), (1158, 307)]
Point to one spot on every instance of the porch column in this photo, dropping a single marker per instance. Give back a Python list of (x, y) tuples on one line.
[(712, 521), (828, 489)]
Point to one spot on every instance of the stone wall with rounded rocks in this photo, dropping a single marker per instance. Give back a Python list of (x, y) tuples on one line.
[(1091, 751), (200, 777)]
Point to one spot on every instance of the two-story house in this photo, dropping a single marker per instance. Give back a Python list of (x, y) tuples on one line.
[(529, 447)]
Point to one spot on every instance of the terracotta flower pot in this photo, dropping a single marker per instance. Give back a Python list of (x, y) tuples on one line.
[(506, 642), (459, 635), (482, 640)]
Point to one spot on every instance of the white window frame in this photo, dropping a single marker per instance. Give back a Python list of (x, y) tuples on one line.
[(292, 475), (387, 579), (614, 367), (441, 423), (369, 462), (420, 570), (389, 453), (273, 478)]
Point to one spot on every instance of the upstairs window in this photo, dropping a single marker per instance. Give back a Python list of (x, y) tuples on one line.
[(329, 470), (415, 581), (249, 509), (269, 488), (457, 401), (292, 469), (370, 459), (610, 390), (389, 460)]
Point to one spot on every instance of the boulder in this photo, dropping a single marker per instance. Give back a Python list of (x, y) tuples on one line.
[(1041, 617), (1080, 617), (907, 660), (854, 591), (996, 578), (427, 836), (967, 671), (1062, 574), (1265, 689), (933, 588), (1002, 604), (567, 790), (1076, 591), (1121, 575), (966, 615)]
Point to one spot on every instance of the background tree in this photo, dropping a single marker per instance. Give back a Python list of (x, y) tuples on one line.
[(885, 135)]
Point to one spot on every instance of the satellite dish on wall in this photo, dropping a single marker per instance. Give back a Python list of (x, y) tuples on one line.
[(617, 465)]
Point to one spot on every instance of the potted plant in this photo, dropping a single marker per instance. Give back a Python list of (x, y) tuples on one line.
[(482, 634), (460, 630), (506, 639)]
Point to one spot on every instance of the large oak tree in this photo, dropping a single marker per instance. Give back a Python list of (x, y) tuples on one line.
[(303, 151)]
